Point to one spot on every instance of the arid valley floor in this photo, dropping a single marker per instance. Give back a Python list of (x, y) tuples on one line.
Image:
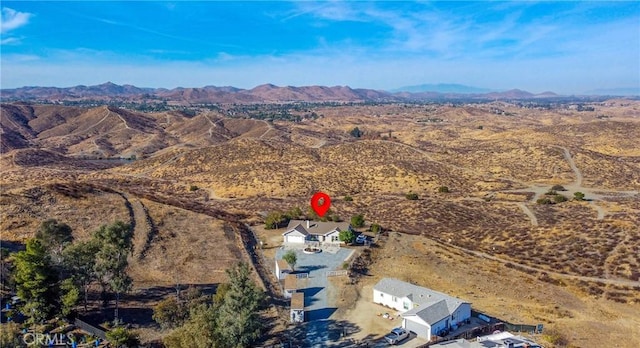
[(198, 180)]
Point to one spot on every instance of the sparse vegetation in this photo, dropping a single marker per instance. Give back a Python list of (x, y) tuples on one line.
[(357, 221), (411, 196), (356, 132), (578, 196), (443, 189)]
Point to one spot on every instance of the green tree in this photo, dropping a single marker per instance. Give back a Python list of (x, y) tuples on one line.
[(578, 196), (274, 220), (120, 337), (238, 321), (221, 293), (79, 261), (36, 279), (200, 331), (375, 228), (111, 260), (291, 258), (54, 236), (294, 213), (70, 296), (357, 220), (347, 236)]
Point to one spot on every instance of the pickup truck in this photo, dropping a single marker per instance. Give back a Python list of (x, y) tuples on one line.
[(396, 335)]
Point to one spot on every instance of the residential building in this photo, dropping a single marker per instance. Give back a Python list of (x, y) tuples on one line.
[(424, 311), (301, 231)]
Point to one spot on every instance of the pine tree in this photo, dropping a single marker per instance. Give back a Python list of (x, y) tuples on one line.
[(36, 279), (238, 321)]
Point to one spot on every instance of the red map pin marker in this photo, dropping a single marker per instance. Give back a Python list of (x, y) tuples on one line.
[(320, 203)]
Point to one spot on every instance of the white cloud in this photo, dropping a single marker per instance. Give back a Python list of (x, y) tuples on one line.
[(12, 19)]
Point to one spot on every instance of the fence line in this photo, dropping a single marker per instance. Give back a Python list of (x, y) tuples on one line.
[(90, 329), (337, 273)]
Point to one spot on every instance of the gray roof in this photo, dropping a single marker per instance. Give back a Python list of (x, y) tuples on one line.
[(431, 313), (316, 227), (433, 306)]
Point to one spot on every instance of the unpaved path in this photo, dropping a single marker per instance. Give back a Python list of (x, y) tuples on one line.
[(572, 164), (599, 209), (530, 214)]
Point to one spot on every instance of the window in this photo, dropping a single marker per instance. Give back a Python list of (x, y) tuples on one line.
[(394, 299), (405, 305)]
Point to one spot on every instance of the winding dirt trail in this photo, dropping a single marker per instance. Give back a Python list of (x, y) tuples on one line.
[(530, 214), (572, 164)]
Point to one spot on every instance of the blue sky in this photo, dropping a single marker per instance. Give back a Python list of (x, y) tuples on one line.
[(566, 47)]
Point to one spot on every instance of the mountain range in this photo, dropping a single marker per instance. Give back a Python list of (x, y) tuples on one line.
[(266, 93)]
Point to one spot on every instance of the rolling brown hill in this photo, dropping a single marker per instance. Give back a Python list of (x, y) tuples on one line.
[(259, 94), (199, 177)]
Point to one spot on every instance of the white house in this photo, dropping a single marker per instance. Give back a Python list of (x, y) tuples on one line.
[(297, 307), (282, 269), (424, 311), (299, 231)]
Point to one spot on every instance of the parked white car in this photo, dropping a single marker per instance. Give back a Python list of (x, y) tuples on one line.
[(396, 335)]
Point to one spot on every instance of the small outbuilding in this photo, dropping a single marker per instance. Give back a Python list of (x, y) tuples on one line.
[(297, 307), (282, 269), (290, 285)]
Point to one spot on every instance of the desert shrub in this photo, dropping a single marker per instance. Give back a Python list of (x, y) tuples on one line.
[(121, 337), (348, 199), (558, 188), (356, 132), (556, 338), (168, 313), (559, 198), (411, 196), (443, 189), (375, 228), (544, 201), (578, 196), (357, 220), (193, 188)]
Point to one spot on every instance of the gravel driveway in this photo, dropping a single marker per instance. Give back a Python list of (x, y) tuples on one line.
[(319, 305)]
